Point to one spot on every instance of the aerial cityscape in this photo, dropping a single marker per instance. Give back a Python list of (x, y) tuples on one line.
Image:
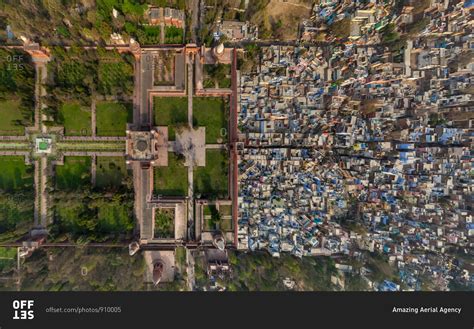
[(237, 145)]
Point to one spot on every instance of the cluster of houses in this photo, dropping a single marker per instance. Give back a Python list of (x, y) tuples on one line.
[(349, 148), (166, 16), (237, 31)]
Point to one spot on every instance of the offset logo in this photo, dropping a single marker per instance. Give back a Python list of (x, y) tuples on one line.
[(23, 310)]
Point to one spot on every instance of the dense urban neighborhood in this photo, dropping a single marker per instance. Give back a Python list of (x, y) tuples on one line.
[(237, 145)]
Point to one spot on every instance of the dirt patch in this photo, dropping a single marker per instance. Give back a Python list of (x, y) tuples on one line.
[(279, 19)]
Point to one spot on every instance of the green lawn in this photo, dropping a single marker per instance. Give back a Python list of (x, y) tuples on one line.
[(114, 217), (112, 118), (225, 223), (210, 112), (76, 119), (171, 180), (7, 259), (171, 112), (7, 253), (74, 173), (148, 35), (15, 174), (10, 113), (173, 35), (110, 171), (212, 180)]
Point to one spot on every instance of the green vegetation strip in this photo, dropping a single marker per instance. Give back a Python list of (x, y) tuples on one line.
[(91, 146), (15, 146)]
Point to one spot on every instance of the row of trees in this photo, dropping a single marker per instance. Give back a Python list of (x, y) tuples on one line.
[(90, 214), (80, 269), (16, 205), (261, 272), (16, 214), (83, 21)]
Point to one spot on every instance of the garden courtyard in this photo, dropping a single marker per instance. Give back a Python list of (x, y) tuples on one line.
[(199, 146)]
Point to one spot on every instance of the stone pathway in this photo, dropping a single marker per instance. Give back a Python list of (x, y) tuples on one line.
[(216, 146), (194, 19), (162, 33), (14, 152), (41, 165), (40, 91), (37, 97), (43, 192), (191, 143), (37, 192), (41, 196), (190, 197), (93, 153), (93, 118), (93, 139), (44, 75), (190, 90), (96, 146), (191, 163), (190, 277), (93, 169)]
